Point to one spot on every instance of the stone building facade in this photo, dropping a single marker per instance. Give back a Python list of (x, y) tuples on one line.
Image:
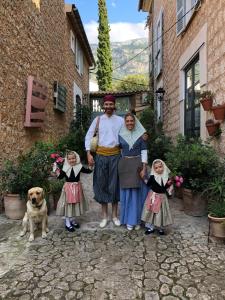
[(187, 56), (47, 42)]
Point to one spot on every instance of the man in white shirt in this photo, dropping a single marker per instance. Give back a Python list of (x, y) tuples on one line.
[(105, 177)]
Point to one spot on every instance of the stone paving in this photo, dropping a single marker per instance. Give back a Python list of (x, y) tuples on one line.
[(112, 263)]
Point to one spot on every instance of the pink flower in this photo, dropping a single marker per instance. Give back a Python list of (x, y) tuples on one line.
[(181, 179), (53, 155), (178, 184), (59, 160), (177, 178)]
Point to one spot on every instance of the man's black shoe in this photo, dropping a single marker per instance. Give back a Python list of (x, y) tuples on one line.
[(149, 231), (70, 228)]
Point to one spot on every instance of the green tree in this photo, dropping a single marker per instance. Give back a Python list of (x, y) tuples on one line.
[(104, 55), (132, 82)]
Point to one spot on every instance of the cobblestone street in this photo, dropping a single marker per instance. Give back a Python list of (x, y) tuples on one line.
[(112, 263)]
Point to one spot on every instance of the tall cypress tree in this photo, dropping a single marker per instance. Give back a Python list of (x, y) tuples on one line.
[(104, 55)]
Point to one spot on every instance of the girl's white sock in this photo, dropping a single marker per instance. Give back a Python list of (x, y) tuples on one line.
[(67, 222), (72, 221), (149, 226)]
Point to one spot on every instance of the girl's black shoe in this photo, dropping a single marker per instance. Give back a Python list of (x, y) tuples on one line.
[(161, 232), (70, 228), (75, 225), (149, 231)]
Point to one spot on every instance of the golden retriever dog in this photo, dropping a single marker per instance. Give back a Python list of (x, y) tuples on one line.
[(36, 213)]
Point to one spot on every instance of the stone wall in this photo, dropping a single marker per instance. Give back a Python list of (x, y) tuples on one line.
[(34, 41), (210, 14)]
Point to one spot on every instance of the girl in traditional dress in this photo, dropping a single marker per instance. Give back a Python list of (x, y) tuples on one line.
[(156, 210), (132, 162), (71, 202)]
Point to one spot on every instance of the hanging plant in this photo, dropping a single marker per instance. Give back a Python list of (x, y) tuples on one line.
[(206, 99), (212, 127)]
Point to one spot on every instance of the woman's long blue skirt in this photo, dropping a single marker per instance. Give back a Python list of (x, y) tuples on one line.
[(131, 204)]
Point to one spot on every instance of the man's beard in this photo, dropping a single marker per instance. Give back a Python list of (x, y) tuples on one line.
[(109, 110)]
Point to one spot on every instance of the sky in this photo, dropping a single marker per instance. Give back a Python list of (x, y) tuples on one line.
[(125, 21)]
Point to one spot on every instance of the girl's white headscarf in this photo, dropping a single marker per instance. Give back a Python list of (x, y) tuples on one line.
[(159, 178), (131, 136), (67, 168)]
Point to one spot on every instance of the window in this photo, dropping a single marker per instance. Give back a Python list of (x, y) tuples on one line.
[(159, 45), (72, 41), (77, 98), (180, 15), (122, 105), (60, 93), (150, 61), (192, 106), (185, 10), (79, 58)]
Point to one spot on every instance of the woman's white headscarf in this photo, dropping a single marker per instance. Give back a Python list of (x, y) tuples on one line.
[(159, 178), (131, 136), (67, 168)]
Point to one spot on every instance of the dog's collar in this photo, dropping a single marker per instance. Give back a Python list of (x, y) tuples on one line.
[(39, 206)]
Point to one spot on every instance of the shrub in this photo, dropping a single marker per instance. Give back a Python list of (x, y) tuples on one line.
[(29, 170), (217, 209), (75, 139), (158, 143), (195, 161), (206, 94)]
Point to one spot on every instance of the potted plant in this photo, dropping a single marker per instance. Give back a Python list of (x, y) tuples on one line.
[(18, 176), (212, 126), (215, 193), (197, 163), (206, 99), (11, 183), (219, 111)]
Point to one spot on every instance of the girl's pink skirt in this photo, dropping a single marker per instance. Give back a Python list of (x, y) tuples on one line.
[(73, 192), (72, 202)]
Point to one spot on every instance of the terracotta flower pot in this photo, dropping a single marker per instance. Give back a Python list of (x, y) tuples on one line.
[(217, 227), (14, 206), (219, 112), (206, 103), (179, 192), (212, 128), (194, 204)]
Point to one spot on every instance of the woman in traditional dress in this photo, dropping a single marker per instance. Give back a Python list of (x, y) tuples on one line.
[(132, 163)]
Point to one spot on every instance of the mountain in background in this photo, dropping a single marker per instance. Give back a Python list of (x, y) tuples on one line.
[(124, 51)]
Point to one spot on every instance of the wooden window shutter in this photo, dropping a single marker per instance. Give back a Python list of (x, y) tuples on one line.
[(155, 51), (194, 2), (159, 45), (180, 16), (150, 61), (160, 58), (77, 54), (81, 63), (72, 41), (35, 103), (60, 93)]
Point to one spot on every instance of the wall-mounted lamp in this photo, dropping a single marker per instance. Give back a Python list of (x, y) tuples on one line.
[(160, 93)]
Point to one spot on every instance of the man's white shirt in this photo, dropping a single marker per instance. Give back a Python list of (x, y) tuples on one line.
[(109, 128)]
